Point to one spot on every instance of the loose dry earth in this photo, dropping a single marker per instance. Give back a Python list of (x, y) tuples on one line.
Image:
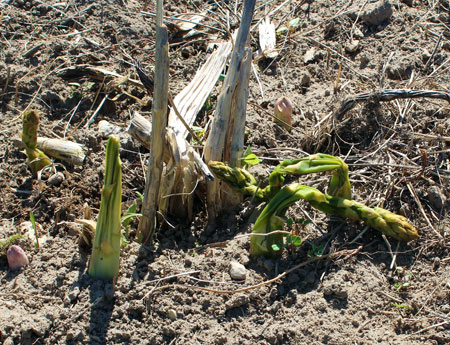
[(398, 153)]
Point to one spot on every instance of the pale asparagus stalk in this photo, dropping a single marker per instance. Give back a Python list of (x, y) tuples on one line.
[(104, 263)]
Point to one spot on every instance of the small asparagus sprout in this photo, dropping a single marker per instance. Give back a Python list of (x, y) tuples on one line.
[(36, 157), (271, 218), (104, 263), (16, 257), (283, 112)]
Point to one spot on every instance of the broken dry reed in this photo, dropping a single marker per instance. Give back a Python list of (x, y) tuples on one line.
[(220, 135), (147, 222)]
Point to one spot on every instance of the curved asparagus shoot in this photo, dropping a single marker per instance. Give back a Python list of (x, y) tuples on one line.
[(242, 180), (339, 185), (104, 263), (37, 159), (270, 219)]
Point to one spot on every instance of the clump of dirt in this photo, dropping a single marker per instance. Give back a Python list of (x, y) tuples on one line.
[(369, 290)]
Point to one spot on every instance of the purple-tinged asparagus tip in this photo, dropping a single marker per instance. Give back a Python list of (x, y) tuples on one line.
[(16, 257)]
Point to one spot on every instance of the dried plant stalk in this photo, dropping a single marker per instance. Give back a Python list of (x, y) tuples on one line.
[(64, 150), (223, 123), (192, 98), (140, 129), (159, 123)]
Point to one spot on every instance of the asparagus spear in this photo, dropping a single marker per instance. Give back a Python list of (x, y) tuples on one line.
[(271, 219), (104, 263), (242, 180), (237, 178), (37, 159)]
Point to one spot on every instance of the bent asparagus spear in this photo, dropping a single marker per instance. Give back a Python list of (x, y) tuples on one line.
[(271, 219), (242, 180), (339, 183)]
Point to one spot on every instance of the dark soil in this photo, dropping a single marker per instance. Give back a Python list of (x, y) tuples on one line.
[(398, 153)]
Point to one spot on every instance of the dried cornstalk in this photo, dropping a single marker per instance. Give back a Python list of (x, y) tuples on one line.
[(267, 39), (140, 129), (192, 98), (159, 123), (224, 119), (64, 150), (183, 169)]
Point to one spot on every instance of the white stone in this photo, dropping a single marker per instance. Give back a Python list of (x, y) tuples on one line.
[(237, 271), (105, 129), (172, 314)]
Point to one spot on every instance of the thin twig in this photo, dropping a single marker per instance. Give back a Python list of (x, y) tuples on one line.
[(92, 118), (413, 193), (387, 95), (432, 326), (172, 276), (346, 253)]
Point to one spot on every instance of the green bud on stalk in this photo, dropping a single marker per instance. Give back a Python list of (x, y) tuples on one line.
[(104, 263)]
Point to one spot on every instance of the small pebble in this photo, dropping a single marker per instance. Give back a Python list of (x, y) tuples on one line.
[(172, 314), (436, 263), (237, 271), (56, 179), (305, 78), (352, 47), (309, 56), (436, 197), (237, 301), (376, 13), (105, 129)]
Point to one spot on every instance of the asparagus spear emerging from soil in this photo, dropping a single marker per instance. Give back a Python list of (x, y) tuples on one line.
[(104, 262), (271, 219), (37, 159)]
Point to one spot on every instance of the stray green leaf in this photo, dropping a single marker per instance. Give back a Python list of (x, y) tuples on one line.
[(315, 251), (36, 234), (276, 247), (403, 306), (251, 159)]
